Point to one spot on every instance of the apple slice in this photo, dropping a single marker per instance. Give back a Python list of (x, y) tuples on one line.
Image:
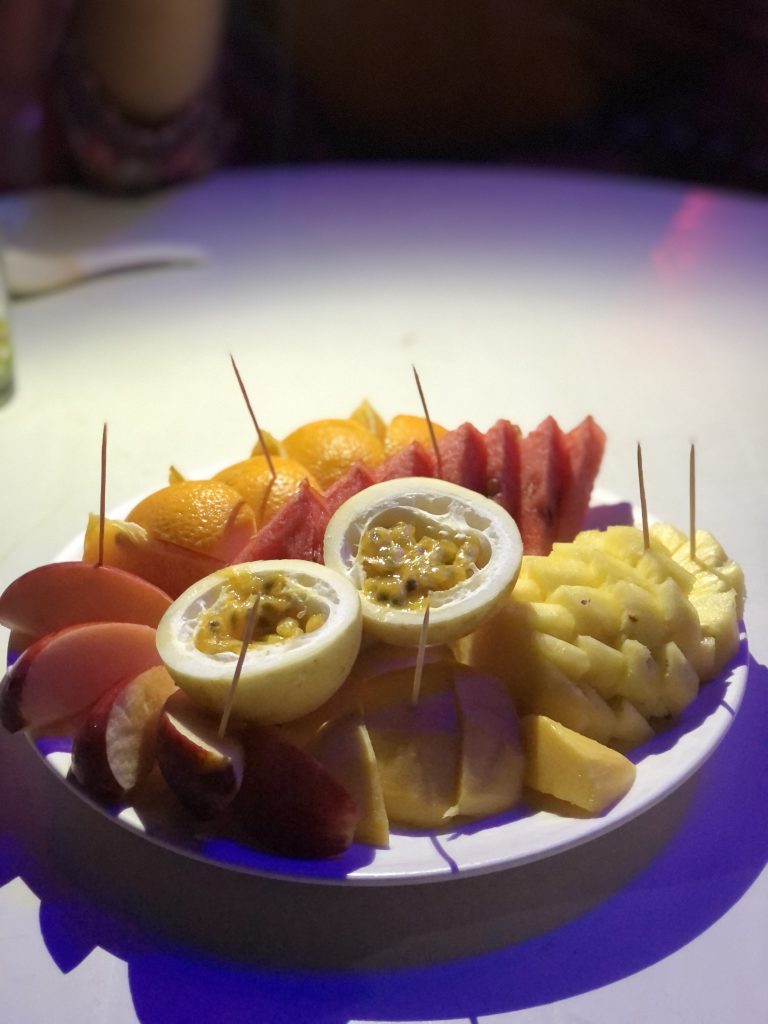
[(289, 802), (345, 749), (61, 594), (66, 672), (114, 749), (203, 769), (492, 761)]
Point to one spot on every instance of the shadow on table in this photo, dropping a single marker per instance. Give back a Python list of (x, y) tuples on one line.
[(210, 945)]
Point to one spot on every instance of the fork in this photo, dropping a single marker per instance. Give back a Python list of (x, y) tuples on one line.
[(34, 273)]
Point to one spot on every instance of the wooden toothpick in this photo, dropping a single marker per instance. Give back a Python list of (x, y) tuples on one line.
[(250, 626), (430, 427), (643, 506), (692, 501), (262, 439), (420, 658), (102, 494)]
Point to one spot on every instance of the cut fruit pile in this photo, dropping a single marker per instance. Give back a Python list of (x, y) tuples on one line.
[(543, 480), (606, 637), (563, 659)]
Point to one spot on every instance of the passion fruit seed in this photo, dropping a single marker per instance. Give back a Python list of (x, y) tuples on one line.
[(403, 566), (283, 614)]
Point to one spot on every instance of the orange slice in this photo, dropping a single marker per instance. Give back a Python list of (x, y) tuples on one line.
[(404, 430), (253, 480), (205, 516), (328, 448), (128, 546)]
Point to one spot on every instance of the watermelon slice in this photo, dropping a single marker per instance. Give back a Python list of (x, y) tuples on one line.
[(502, 443), (413, 460), (354, 480), (583, 449), (463, 457), (541, 482), (295, 531)]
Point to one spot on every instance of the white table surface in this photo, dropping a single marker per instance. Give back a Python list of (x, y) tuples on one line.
[(515, 295)]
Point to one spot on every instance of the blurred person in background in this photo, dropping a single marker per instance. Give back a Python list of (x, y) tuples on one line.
[(131, 95)]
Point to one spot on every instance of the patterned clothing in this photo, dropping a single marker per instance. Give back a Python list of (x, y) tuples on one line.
[(705, 120)]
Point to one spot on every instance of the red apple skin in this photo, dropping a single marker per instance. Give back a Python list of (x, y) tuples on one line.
[(66, 672), (114, 748), (289, 802), (62, 594), (204, 771)]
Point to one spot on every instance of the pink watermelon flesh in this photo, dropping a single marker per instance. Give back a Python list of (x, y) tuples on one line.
[(583, 449), (296, 531), (541, 480), (502, 443), (354, 480), (413, 460), (463, 457)]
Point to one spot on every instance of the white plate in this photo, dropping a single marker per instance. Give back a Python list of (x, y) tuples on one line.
[(515, 838)]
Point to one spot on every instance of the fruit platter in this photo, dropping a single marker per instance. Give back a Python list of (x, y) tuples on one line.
[(375, 653)]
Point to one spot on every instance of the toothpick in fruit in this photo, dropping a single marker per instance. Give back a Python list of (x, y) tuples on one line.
[(692, 500), (428, 418), (102, 494), (420, 658), (250, 626), (643, 506), (262, 439)]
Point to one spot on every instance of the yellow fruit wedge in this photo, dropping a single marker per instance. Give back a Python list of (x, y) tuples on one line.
[(572, 767), (367, 417), (418, 753), (491, 771), (630, 729)]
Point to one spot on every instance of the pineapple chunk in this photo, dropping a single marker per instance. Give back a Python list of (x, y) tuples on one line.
[(502, 646), (681, 623), (612, 568), (549, 573), (607, 666), (679, 681), (626, 542), (595, 611), (526, 589), (732, 574), (554, 651), (657, 565), (554, 619), (640, 619), (630, 728), (667, 536), (642, 680), (573, 767), (717, 611), (580, 708), (709, 550)]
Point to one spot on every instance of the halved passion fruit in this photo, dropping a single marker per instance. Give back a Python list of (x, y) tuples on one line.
[(305, 641), (406, 544)]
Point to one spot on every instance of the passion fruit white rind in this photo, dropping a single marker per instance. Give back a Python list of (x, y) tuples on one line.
[(279, 681), (435, 506)]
